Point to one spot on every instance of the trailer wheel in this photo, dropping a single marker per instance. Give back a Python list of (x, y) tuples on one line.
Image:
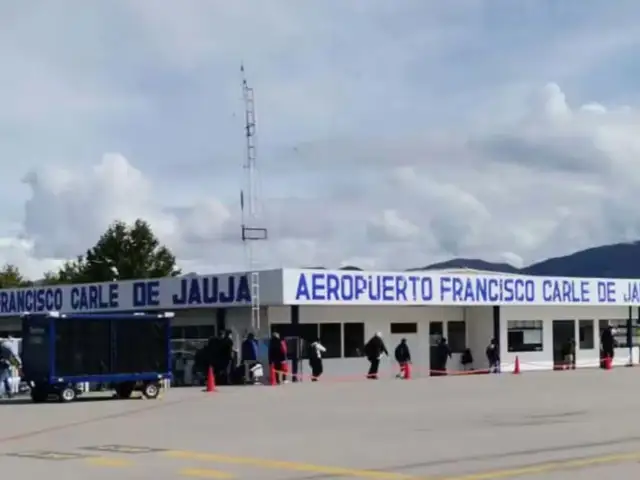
[(68, 394), (124, 390), (151, 390), (39, 394)]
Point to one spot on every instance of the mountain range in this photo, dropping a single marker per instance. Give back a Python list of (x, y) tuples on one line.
[(620, 260)]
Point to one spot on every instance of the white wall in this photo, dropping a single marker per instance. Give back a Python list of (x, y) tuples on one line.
[(379, 319), (479, 333), (543, 360)]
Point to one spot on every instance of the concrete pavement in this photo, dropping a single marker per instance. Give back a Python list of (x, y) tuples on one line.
[(574, 424)]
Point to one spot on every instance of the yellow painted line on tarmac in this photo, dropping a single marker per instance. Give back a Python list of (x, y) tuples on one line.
[(497, 474), (549, 467), (205, 473), (109, 462), (290, 466)]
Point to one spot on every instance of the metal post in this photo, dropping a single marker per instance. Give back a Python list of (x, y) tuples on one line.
[(251, 231)]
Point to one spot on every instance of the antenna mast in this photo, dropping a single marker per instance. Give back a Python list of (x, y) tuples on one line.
[(251, 230)]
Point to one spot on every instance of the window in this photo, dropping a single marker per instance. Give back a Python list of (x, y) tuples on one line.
[(282, 329), (331, 339), (308, 334), (586, 334), (457, 336), (524, 335), (620, 334), (9, 331), (353, 340), (407, 328), (192, 332)]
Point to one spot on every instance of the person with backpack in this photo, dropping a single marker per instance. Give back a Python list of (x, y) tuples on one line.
[(443, 354), (316, 349), (249, 356), (374, 349), (402, 355), (493, 356)]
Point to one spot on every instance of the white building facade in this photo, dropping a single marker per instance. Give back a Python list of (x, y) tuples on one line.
[(532, 318)]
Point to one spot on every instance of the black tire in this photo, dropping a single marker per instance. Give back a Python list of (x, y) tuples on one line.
[(39, 394), (67, 394), (151, 390), (124, 390)]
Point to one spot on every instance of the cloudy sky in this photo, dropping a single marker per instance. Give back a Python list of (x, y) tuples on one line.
[(390, 134)]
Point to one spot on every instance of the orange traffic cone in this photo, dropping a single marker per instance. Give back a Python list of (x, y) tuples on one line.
[(516, 368), (211, 381)]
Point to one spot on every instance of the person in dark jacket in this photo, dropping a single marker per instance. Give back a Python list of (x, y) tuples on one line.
[(277, 355), (374, 349), (213, 354), (493, 356), (607, 343), (443, 354), (249, 355), (467, 360), (226, 354), (402, 355)]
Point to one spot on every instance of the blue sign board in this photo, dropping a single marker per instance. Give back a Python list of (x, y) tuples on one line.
[(164, 293), (376, 288)]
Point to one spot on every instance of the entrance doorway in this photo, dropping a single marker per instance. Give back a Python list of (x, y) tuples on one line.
[(436, 332), (564, 332)]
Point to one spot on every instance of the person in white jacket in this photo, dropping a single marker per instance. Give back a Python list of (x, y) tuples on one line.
[(316, 349)]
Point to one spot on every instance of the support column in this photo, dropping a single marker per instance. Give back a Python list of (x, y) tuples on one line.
[(221, 320), (496, 327), (294, 311), (630, 334)]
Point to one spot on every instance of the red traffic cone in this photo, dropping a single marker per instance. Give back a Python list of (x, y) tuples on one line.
[(608, 364), (407, 371), (211, 381), (516, 368)]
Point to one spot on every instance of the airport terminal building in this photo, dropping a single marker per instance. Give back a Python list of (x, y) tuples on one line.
[(531, 317)]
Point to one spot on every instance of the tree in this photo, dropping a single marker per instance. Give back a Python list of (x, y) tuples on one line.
[(123, 252), (10, 277), (71, 272)]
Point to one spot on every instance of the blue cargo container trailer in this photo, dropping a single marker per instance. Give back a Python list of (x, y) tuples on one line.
[(128, 352)]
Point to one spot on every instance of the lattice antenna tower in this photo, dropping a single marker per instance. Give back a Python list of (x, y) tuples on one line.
[(252, 231)]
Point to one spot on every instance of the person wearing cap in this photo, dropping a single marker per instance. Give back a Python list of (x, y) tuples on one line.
[(374, 349)]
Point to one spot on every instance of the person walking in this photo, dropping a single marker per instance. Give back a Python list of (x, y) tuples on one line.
[(374, 349), (402, 355), (316, 349)]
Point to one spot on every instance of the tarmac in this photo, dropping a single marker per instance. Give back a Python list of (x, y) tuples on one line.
[(551, 425)]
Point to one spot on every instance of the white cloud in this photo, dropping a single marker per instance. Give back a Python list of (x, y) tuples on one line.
[(387, 137)]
